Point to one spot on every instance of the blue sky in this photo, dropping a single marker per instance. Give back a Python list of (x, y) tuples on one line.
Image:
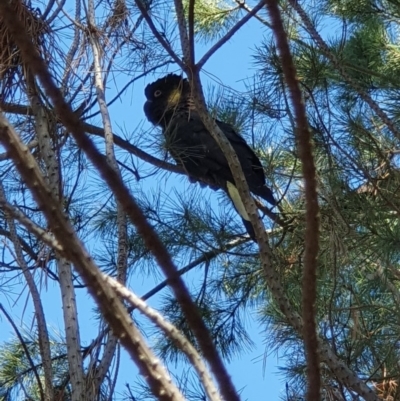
[(253, 373)]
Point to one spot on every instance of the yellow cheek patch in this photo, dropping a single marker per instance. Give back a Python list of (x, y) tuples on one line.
[(237, 200), (174, 97)]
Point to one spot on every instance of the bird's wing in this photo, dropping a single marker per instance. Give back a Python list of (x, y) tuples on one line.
[(242, 149), (250, 163), (195, 148), (189, 142)]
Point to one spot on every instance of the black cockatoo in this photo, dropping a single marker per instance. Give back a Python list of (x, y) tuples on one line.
[(169, 105)]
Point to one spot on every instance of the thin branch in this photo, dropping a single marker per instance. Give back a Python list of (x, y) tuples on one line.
[(23, 243), (55, 14), (229, 34), (103, 366), (206, 257), (309, 284), (43, 334), (192, 57), (26, 350), (33, 228), (94, 130), (183, 32), (125, 87), (157, 34), (48, 8), (246, 7), (123, 144), (74, 46), (172, 332)]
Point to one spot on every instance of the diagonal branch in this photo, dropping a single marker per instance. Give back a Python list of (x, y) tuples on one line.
[(206, 257), (171, 331), (143, 9), (27, 353), (101, 368), (229, 34), (98, 131), (124, 144)]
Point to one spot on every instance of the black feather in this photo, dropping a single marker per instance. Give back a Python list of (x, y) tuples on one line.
[(170, 106)]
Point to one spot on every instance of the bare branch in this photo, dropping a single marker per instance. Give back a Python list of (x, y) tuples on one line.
[(183, 33), (309, 284), (229, 34), (28, 356), (43, 335), (192, 57), (103, 366), (157, 34), (171, 331)]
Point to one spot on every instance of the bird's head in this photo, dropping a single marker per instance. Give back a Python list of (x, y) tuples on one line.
[(164, 97)]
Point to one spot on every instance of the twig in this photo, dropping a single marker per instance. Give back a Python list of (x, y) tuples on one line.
[(26, 350), (229, 34), (157, 34), (206, 257)]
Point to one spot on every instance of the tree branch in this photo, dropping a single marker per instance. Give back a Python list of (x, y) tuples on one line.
[(101, 368), (27, 353), (157, 34), (229, 34), (309, 284), (172, 332)]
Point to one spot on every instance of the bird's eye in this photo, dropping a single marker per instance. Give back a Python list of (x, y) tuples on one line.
[(157, 93)]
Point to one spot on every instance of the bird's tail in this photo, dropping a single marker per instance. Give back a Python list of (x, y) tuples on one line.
[(239, 206), (265, 193)]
